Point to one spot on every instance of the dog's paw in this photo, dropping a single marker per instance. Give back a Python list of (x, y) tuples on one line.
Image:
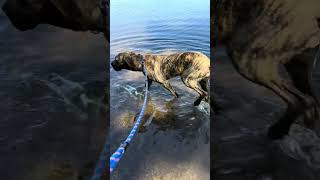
[(196, 103)]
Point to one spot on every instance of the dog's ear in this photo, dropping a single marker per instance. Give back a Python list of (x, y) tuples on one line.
[(135, 62), (120, 56), (139, 56), (117, 57)]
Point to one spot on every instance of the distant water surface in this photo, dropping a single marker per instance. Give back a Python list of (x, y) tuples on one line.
[(160, 26)]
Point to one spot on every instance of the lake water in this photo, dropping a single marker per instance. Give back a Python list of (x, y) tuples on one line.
[(173, 142), (160, 26)]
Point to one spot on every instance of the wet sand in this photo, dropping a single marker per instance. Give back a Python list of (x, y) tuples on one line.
[(52, 123)]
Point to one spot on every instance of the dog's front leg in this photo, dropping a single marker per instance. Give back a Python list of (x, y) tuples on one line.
[(168, 86), (149, 83)]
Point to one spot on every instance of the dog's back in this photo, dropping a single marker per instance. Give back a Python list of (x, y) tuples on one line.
[(178, 64), (196, 63)]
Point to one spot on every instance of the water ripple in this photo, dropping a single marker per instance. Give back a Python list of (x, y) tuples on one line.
[(180, 33)]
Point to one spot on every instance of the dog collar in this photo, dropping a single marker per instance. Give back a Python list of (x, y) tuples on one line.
[(142, 61), (142, 64)]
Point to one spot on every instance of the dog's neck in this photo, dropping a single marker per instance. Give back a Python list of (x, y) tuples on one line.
[(142, 64)]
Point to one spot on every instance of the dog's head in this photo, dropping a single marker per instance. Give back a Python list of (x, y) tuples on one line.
[(127, 60)]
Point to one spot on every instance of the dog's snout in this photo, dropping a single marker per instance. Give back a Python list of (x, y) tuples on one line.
[(115, 65)]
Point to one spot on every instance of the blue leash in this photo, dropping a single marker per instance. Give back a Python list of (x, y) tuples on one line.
[(116, 156), (102, 163)]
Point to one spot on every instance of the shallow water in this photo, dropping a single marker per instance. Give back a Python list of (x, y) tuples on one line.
[(173, 142)]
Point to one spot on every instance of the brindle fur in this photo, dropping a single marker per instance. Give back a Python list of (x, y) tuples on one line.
[(192, 67), (272, 43)]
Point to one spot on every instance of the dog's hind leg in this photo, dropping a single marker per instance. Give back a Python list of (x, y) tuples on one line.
[(168, 86), (300, 70), (278, 77), (204, 84), (195, 85)]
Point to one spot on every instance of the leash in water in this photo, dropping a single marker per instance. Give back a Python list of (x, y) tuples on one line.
[(116, 156)]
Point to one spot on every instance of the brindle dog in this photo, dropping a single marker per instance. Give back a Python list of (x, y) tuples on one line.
[(192, 67)]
